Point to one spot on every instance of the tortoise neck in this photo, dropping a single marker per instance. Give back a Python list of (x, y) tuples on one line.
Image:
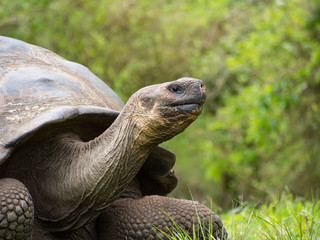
[(122, 148), (102, 168)]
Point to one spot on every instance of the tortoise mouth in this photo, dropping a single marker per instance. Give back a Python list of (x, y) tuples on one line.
[(193, 108), (189, 105)]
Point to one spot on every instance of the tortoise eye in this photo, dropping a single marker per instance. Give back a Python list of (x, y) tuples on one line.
[(176, 89)]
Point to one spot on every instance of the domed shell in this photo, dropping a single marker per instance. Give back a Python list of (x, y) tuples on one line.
[(39, 88)]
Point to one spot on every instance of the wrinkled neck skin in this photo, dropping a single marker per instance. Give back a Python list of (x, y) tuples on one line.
[(91, 175)]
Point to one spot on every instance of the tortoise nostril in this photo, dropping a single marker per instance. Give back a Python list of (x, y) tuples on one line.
[(202, 89)]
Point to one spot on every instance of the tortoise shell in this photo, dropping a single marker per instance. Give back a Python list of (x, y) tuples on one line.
[(40, 90), (38, 87)]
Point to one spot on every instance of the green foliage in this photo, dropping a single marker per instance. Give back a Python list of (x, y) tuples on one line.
[(286, 218), (264, 137), (260, 61)]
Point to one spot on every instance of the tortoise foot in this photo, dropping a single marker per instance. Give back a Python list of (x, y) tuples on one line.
[(155, 217), (16, 210)]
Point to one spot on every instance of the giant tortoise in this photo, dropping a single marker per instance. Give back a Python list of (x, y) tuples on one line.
[(76, 163)]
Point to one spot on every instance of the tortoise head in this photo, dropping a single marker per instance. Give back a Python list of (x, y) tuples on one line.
[(166, 109)]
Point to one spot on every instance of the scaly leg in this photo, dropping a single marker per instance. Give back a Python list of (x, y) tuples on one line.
[(143, 218), (16, 210)]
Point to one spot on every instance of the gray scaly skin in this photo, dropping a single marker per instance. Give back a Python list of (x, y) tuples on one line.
[(134, 216), (16, 210), (72, 181)]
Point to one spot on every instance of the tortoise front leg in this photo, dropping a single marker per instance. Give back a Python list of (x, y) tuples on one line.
[(143, 218), (16, 210)]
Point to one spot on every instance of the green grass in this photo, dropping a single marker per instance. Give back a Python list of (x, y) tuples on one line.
[(287, 218)]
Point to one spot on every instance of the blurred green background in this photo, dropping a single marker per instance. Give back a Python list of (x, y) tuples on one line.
[(260, 60)]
